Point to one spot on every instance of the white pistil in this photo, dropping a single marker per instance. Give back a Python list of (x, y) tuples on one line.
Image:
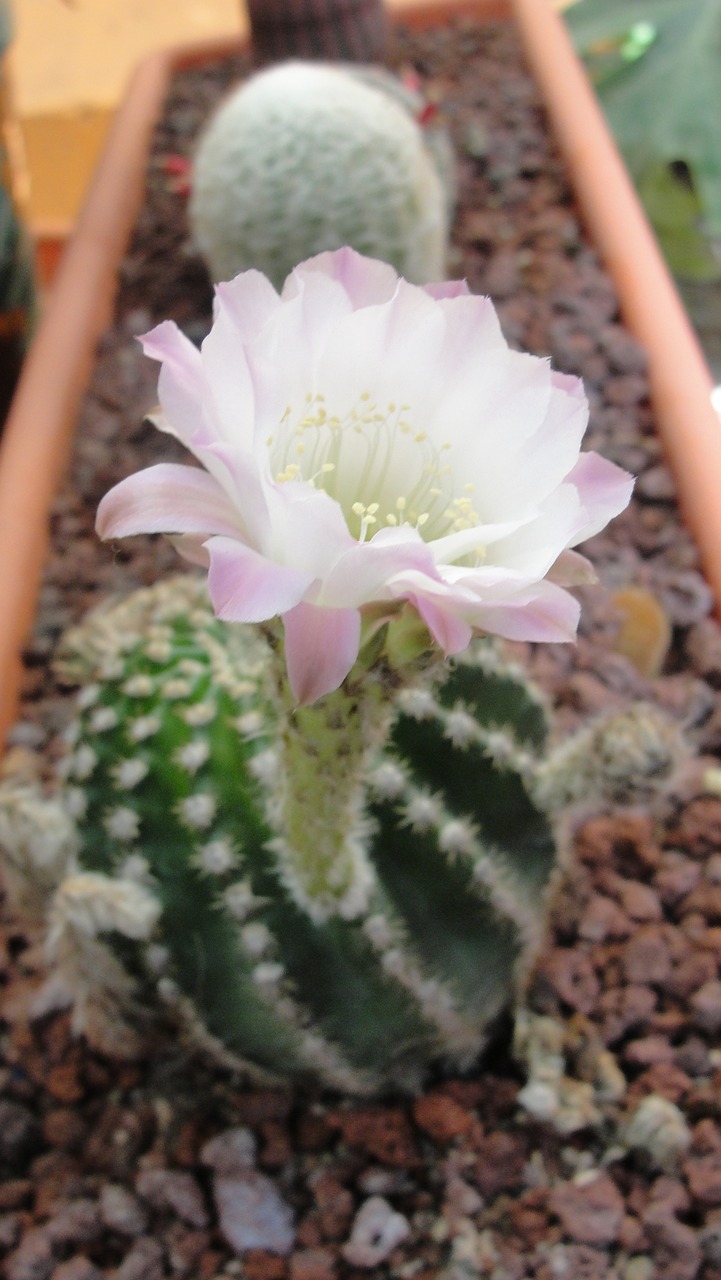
[(359, 460)]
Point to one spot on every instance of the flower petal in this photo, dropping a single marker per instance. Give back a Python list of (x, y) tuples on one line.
[(246, 587), (321, 646), (604, 490), (167, 498)]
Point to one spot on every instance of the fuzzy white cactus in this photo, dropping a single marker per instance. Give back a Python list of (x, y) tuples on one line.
[(304, 158)]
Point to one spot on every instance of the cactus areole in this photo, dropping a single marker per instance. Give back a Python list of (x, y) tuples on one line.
[(322, 838)]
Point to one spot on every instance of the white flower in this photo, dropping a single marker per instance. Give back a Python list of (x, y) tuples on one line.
[(366, 440)]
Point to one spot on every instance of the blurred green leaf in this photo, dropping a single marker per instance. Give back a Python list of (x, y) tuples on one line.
[(657, 67), (674, 208)]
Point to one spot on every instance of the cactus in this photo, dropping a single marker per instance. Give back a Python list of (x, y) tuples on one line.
[(304, 158), (353, 889)]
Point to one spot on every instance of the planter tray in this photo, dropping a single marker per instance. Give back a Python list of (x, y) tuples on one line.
[(39, 431)]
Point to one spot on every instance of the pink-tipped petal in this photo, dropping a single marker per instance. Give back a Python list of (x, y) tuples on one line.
[(451, 633), (167, 498), (604, 490), (542, 613), (180, 383), (366, 282), (321, 646), (245, 587)]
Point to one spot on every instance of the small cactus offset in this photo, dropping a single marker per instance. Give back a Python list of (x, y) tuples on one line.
[(304, 158)]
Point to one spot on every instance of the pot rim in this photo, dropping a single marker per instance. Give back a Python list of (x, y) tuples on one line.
[(39, 429)]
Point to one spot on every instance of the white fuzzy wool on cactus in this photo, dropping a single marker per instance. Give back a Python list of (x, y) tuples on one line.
[(367, 441)]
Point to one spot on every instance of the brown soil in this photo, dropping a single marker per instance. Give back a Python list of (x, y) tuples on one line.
[(108, 1172)]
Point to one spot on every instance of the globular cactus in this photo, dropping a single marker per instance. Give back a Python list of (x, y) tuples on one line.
[(210, 881), (304, 158), (352, 890)]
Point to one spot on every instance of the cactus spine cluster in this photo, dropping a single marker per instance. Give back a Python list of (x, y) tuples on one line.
[(304, 158)]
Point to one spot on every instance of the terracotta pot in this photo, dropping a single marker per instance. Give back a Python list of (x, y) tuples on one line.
[(38, 434), (347, 30)]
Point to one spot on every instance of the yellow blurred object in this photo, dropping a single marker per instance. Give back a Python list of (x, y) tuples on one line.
[(70, 62), (645, 633)]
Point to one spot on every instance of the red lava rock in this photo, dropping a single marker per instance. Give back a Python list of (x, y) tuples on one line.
[(706, 1004), (674, 1246), (33, 1258), (639, 901), (441, 1118), (572, 978), (64, 1127), (704, 1178), (259, 1265), (76, 1222), (185, 1248), (77, 1268), (590, 1213), (706, 899), (646, 956), (335, 1205), (313, 1264), (175, 1190), (694, 972), (631, 1235), (15, 1193), (664, 1078), (144, 1261), (64, 1082), (384, 1132), (676, 878), (699, 827), (671, 1194), (706, 1137), (603, 918), (623, 1009), (625, 840), (648, 1052), (500, 1164)]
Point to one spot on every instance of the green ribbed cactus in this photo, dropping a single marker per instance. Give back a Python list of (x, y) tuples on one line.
[(304, 158), (352, 890)]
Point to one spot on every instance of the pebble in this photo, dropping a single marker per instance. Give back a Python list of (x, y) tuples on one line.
[(658, 1127), (252, 1214), (706, 1004), (313, 1264), (675, 1248), (441, 1117), (175, 1190), (230, 1151), (376, 1232), (590, 1213), (33, 1258), (75, 1222), (144, 1261), (646, 956), (122, 1211), (77, 1268), (704, 1178)]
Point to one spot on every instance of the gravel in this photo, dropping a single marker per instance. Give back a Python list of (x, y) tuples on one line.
[(124, 1170)]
